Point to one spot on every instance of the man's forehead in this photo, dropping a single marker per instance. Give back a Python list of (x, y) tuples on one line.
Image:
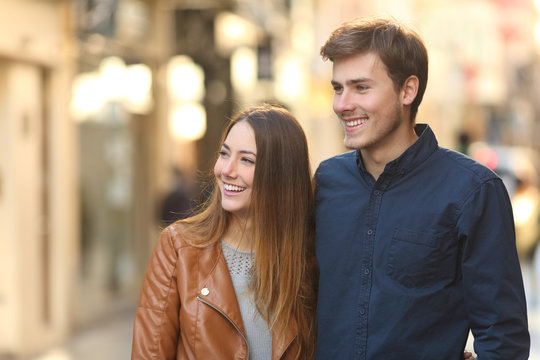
[(357, 67)]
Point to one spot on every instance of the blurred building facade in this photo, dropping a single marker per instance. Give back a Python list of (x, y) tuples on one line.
[(100, 99), (38, 210)]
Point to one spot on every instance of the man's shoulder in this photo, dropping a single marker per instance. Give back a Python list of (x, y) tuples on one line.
[(345, 159), (465, 165)]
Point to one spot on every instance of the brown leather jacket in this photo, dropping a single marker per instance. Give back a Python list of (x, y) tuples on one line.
[(188, 308)]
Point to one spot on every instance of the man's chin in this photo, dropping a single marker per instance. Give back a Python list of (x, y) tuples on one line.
[(351, 144)]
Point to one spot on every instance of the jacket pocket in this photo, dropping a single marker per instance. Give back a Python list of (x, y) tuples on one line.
[(413, 258)]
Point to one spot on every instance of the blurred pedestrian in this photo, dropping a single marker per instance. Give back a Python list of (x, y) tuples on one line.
[(235, 281), (415, 243), (176, 204)]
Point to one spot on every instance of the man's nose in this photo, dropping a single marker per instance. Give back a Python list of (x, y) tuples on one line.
[(343, 102)]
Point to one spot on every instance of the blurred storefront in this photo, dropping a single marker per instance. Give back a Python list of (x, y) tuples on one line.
[(101, 101), (38, 208), (117, 120)]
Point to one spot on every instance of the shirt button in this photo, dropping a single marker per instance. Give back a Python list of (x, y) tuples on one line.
[(370, 232), (377, 193), (205, 291), (362, 311), (366, 271)]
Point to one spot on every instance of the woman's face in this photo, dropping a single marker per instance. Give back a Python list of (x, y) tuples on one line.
[(235, 168)]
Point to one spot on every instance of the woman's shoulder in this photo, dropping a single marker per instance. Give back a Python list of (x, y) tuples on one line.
[(175, 235), (182, 236)]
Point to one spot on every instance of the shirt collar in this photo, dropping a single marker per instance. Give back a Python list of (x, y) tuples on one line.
[(422, 148)]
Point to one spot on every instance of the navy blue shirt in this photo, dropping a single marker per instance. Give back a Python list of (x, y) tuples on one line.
[(410, 262)]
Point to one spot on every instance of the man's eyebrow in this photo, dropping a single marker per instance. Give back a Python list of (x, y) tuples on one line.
[(351, 81), (241, 151)]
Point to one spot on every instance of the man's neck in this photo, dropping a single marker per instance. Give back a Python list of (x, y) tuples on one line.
[(376, 158)]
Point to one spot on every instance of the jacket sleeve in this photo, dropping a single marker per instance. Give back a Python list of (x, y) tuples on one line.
[(156, 326), (493, 285)]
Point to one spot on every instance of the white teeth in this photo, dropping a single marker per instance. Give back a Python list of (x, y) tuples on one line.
[(230, 187), (355, 122)]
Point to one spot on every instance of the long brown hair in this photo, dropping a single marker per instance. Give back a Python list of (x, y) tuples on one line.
[(400, 48), (282, 216)]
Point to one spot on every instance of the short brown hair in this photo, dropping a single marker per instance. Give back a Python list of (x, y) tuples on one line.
[(400, 48)]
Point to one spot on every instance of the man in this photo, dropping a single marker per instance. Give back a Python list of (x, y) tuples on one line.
[(415, 243)]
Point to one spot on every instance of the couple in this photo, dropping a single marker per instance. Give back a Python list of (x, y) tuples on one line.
[(414, 243)]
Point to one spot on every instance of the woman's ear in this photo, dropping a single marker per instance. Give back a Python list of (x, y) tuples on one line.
[(409, 90)]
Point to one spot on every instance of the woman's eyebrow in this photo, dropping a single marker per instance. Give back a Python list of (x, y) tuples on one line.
[(248, 152), (241, 151)]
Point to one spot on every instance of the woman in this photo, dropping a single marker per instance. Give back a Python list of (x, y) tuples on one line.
[(234, 281)]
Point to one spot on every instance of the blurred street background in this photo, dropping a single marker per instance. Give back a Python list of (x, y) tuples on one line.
[(110, 116)]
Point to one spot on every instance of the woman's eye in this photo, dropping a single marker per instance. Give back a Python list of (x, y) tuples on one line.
[(223, 153), (248, 160)]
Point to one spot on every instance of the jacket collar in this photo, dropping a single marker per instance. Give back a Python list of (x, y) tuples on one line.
[(280, 344), (220, 293), (217, 287)]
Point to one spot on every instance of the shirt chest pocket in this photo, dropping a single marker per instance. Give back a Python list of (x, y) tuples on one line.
[(420, 259)]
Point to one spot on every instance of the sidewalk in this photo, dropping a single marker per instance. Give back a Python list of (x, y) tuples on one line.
[(111, 340), (107, 340)]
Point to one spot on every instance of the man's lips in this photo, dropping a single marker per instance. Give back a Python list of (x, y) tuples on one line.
[(355, 122)]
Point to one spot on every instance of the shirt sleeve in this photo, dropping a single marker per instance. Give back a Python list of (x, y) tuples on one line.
[(493, 285), (156, 326)]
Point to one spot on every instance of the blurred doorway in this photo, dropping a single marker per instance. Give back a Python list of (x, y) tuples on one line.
[(33, 291), (106, 192)]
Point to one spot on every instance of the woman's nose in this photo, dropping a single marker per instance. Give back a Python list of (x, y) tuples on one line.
[(229, 169)]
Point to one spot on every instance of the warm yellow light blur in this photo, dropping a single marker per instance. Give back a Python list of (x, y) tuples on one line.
[(244, 69), (523, 210), (302, 38), (112, 75), (137, 88), (87, 97), (186, 79), (290, 78), (188, 121), (537, 32), (129, 85), (537, 27), (233, 26), (232, 31)]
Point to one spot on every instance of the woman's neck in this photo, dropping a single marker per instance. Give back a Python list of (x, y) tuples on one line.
[(238, 236)]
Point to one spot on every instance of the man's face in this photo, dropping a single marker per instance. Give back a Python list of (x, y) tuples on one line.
[(366, 102)]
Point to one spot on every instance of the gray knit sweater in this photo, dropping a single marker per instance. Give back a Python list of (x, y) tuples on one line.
[(259, 337)]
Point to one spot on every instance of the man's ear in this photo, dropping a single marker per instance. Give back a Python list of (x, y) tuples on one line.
[(409, 90)]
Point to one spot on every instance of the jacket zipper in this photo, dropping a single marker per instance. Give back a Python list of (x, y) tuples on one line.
[(226, 317)]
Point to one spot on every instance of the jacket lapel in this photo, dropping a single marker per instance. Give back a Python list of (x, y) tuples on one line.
[(216, 287), (282, 342)]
